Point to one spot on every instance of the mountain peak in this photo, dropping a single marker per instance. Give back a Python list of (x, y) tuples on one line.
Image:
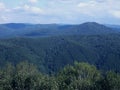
[(90, 23), (93, 25)]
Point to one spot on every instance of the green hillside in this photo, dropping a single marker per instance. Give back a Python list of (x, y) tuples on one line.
[(51, 54)]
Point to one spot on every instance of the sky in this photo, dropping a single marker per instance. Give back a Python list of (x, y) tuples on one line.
[(60, 11)]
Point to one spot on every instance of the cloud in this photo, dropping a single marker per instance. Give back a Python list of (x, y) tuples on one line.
[(33, 1), (87, 4), (116, 13), (29, 9), (100, 8), (92, 8), (61, 11), (4, 18), (2, 6)]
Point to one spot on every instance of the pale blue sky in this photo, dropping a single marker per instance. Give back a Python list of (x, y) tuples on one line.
[(60, 11)]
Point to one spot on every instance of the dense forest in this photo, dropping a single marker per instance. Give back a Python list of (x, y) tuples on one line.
[(80, 76), (50, 54), (59, 57)]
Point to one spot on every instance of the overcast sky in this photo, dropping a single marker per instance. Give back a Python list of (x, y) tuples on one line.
[(60, 11)]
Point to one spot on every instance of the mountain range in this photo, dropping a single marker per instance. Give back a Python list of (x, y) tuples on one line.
[(11, 30), (52, 46)]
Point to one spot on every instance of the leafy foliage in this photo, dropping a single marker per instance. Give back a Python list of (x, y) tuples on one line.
[(80, 76)]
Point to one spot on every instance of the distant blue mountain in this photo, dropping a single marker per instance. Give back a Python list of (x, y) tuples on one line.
[(115, 27), (15, 25), (43, 30)]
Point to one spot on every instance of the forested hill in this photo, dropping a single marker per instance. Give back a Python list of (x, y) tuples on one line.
[(50, 54), (52, 46), (45, 30)]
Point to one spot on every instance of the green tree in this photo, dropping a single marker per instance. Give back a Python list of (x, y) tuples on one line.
[(25, 76), (6, 75), (113, 80), (81, 76)]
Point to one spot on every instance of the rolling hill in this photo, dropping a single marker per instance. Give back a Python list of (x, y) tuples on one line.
[(52, 53), (11, 30), (52, 46)]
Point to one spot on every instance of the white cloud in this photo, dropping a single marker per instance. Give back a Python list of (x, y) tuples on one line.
[(4, 18), (37, 10), (26, 7), (2, 6), (33, 1), (87, 4), (70, 11), (29, 9), (91, 8), (33, 9), (116, 13), (100, 8)]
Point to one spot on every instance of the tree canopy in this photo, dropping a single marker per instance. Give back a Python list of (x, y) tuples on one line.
[(80, 76)]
